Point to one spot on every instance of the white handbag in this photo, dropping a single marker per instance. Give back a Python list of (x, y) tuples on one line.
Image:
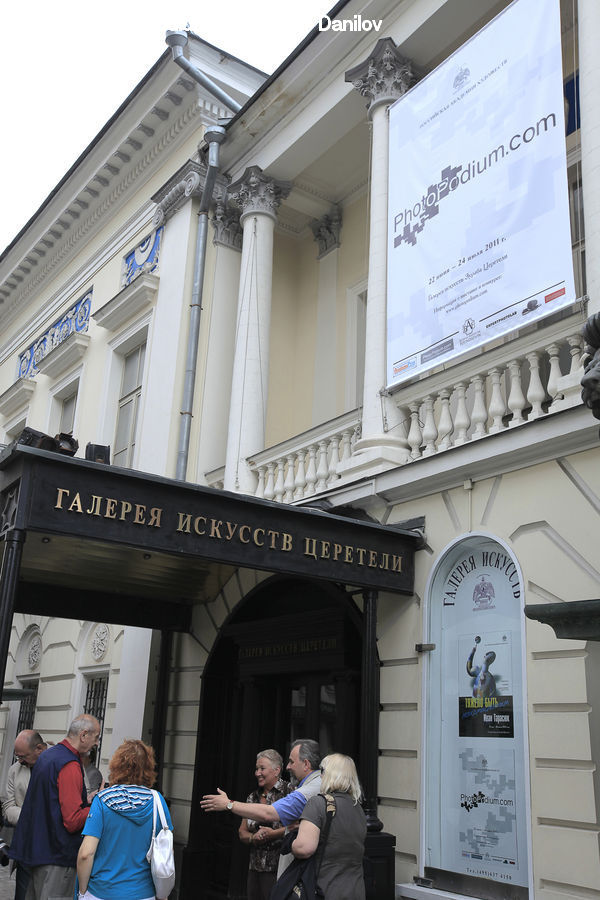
[(160, 853)]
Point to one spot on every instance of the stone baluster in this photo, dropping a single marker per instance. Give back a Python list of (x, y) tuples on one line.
[(445, 425), (479, 414), (555, 373), (279, 486), (322, 467), (462, 420), (260, 487), (430, 432), (300, 479), (415, 437), (334, 459), (311, 471), (536, 393), (270, 482), (516, 398), (290, 478), (497, 405), (576, 344), (346, 445)]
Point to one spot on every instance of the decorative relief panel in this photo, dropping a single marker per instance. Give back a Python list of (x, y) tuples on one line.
[(226, 224), (9, 503), (76, 319), (326, 231), (143, 258), (99, 644), (34, 652)]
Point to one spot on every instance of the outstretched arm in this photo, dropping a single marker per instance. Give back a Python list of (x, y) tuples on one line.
[(260, 812)]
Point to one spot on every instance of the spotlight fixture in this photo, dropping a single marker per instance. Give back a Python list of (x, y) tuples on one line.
[(98, 453), (62, 443)]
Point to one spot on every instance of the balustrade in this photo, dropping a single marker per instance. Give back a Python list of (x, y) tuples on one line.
[(307, 468), (487, 399), (505, 388)]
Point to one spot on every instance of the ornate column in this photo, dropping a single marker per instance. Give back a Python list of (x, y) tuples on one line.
[(381, 78), (258, 197), (227, 241), (589, 90)]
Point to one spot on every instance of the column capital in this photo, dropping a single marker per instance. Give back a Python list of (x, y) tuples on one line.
[(256, 192), (326, 231), (226, 223), (384, 76)]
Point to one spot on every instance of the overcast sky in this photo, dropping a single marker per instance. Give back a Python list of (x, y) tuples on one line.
[(66, 67)]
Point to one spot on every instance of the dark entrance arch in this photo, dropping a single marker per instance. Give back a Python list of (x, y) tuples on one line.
[(286, 664)]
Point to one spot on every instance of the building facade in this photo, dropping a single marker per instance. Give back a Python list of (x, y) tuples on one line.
[(256, 366)]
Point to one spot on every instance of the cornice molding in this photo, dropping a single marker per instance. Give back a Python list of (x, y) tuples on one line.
[(78, 281), (64, 356), (135, 298), (17, 397), (93, 201)]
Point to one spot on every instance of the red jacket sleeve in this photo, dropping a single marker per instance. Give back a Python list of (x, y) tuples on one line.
[(70, 785)]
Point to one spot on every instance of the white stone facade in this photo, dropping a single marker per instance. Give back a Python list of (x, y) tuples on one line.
[(496, 445)]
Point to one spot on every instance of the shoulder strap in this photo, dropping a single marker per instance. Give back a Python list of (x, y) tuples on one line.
[(157, 805), (330, 811)]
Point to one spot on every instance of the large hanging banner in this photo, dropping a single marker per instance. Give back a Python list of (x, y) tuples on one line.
[(477, 789), (479, 240)]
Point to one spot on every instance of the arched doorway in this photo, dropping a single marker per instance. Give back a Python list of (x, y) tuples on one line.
[(285, 665)]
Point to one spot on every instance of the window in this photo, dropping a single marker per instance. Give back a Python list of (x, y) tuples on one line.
[(67, 414), (95, 703), (129, 402), (27, 706)]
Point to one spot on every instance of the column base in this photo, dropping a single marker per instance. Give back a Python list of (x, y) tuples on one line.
[(371, 456)]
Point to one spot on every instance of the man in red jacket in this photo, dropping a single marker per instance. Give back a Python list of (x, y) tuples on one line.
[(48, 834)]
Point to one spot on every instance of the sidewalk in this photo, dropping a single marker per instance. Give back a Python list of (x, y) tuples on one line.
[(7, 886)]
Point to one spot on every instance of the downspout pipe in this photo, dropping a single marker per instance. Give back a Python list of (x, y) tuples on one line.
[(177, 41), (214, 137)]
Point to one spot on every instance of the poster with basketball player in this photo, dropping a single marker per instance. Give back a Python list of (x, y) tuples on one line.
[(485, 702)]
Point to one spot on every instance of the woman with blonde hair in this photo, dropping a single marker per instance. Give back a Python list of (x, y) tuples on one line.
[(340, 875), (112, 863)]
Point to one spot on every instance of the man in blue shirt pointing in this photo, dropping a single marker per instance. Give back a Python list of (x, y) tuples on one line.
[(303, 764)]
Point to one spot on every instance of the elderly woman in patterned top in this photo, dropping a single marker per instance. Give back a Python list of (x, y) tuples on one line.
[(264, 840)]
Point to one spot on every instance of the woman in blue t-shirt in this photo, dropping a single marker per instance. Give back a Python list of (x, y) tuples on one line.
[(112, 863)]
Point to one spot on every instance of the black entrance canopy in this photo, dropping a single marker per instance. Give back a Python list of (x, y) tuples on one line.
[(146, 549), (76, 535)]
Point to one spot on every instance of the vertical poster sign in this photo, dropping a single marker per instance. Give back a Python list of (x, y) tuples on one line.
[(477, 782), (479, 240)]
